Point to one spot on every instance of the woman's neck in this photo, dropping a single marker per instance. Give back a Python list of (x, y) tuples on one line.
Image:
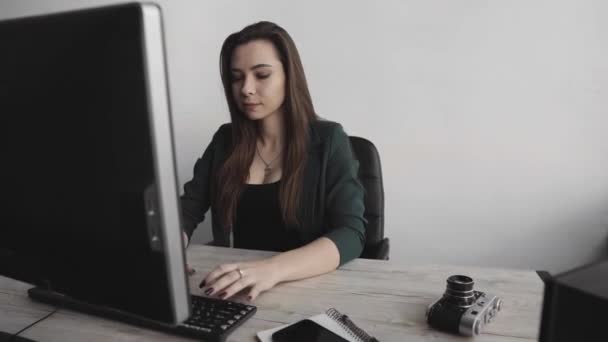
[(271, 132)]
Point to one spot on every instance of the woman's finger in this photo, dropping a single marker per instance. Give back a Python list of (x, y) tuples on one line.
[(254, 292), (216, 287), (217, 273), (238, 285)]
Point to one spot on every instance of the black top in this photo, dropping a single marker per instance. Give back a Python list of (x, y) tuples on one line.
[(259, 223)]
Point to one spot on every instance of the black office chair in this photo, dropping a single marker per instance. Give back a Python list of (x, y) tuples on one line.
[(370, 175)]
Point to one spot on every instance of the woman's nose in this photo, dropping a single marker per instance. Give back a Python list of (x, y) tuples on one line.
[(248, 87)]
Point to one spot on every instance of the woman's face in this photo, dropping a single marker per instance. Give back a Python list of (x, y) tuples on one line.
[(258, 79)]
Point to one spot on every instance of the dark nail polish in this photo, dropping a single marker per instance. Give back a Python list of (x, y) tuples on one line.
[(202, 284), (208, 291), (249, 298), (222, 295)]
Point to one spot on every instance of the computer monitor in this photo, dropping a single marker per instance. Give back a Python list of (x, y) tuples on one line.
[(88, 190)]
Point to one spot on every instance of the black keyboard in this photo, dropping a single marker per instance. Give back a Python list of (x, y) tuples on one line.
[(211, 319), (214, 319)]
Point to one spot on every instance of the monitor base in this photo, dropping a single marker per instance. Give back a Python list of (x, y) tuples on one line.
[(62, 301), (6, 337)]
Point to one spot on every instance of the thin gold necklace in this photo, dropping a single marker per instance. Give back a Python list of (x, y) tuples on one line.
[(268, 168)]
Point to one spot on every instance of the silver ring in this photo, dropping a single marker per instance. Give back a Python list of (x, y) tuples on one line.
[(241, 275)]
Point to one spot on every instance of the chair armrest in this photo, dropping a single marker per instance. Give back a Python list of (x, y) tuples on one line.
[(379, 251)]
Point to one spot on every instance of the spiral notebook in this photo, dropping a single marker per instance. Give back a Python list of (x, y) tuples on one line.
[(333, 320)]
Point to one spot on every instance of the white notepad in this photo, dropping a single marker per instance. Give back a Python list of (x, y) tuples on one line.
[(333, 320)]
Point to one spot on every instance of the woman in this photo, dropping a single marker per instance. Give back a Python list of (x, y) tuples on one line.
[(276, 178)]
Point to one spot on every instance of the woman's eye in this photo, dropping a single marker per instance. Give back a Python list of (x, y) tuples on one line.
[(234, 78), (263, 76)]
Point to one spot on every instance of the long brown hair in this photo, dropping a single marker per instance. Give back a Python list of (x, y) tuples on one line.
[(298, 115)]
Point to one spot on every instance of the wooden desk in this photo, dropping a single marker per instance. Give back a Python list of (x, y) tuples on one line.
[(387, 299)]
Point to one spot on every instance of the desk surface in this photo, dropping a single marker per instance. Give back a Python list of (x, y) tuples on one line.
[(385, 298)]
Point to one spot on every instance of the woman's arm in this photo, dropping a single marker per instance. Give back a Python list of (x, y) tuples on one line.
[(344, 200), (318, 257), (196, 199)]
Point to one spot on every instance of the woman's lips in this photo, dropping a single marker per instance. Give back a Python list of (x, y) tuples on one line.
[(250, 105)]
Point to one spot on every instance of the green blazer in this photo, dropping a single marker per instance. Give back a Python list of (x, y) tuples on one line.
[(331, 204)]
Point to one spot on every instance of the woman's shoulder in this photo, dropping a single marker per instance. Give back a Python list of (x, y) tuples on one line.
[(326, 130), (326, 126), (322, 130), (224, 129), (223, 134)]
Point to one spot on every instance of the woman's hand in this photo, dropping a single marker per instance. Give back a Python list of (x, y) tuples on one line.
[(189, 269), (255, 277)]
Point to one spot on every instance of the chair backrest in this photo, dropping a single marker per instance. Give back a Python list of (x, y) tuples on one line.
[(370, 176)]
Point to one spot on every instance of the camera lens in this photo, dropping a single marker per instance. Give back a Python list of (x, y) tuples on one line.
[(460, 283), (459, 290)]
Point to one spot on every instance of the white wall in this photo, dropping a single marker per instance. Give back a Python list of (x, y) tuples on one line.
[(490, 116)]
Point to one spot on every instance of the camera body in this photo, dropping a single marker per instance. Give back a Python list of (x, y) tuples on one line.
[(461, 310)]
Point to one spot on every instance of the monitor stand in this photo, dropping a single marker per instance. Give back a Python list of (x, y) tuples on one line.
[(4, 336), (66, 302)]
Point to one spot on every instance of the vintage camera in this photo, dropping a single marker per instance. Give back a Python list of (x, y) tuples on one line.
[(461, 310)]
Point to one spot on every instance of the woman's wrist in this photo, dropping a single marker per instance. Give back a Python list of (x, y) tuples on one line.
[(277, 269)]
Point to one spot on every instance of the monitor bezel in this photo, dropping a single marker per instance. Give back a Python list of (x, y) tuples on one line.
[(155, 68)]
